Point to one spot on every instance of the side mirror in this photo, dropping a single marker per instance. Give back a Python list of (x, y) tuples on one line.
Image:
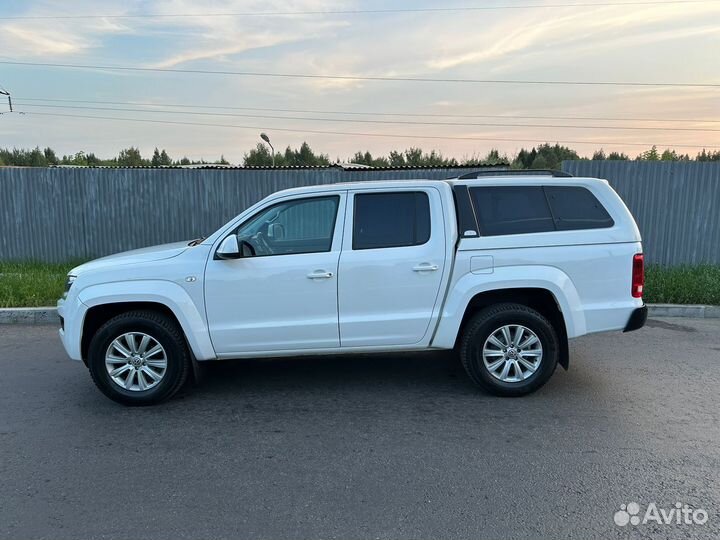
[(229, 248)]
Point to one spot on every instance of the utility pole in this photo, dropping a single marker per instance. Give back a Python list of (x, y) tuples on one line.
[(6, 93)]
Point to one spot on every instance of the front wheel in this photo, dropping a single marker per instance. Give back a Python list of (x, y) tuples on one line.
[(139, 358), (509, 349)]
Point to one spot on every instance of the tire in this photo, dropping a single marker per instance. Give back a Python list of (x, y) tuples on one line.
[(142, 368), (519, 379)]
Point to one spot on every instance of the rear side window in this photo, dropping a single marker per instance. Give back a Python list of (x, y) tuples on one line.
[(511, 210), (576, 208), (384, 220), (530, 209)]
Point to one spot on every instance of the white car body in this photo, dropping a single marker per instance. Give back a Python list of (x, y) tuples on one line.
[(344, 300)]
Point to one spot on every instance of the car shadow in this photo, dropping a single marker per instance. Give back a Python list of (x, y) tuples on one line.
[(428, 370)]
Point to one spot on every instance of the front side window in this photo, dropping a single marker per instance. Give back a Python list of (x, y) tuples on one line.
[(291, 227), (385, 220)]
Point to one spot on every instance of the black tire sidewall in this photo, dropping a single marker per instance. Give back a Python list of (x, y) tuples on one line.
[(480, 329), (118, 326)]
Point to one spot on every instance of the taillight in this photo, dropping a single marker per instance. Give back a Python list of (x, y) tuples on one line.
[(638, 275)]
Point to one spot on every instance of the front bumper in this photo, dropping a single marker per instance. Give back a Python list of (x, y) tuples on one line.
[(637, 319), (72, 313)]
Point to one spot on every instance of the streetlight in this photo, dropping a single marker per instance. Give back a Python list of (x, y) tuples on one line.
[(265, 138)]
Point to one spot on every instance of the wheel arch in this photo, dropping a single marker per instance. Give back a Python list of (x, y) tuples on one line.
[(541, 300), (106, 301), (544, 288), (99, 314)]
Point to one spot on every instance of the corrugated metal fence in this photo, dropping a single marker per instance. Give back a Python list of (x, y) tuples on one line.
[(57, 214), (676, 205), (61, 214)]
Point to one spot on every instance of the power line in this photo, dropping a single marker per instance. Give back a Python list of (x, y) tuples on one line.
[(364, 134), (363, 121), (368, 113), (356, 11), (359, 77)]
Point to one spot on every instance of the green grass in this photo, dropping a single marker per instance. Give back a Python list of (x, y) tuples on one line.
[(30, 284), (683, 285)]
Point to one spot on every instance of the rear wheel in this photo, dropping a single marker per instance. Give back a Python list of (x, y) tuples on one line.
[(139, 358), (509, 349)]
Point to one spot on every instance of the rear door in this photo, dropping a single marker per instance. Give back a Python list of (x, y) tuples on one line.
[(391, 266)]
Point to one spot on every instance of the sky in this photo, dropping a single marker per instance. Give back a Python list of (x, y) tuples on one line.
[(651, 43)]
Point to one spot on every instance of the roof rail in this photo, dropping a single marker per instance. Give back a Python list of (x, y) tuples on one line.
[(515, 172)]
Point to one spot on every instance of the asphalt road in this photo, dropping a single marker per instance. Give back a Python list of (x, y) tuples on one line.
[(366, 447)]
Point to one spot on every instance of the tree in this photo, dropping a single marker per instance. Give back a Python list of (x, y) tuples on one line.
[(130, 157), (160, 159), (304, 156), (524, 159), (617, 156), (260, 157), (396, 159), (164, 158), (544, 156), (649, 155), (493, 157), (708, 156), (50, 156), (37, 158), (77, 159), (540, 162), (92, 160), (368, 159), (411, 157), (599, 155)]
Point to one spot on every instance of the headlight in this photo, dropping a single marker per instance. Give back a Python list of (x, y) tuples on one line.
[(68, 283)]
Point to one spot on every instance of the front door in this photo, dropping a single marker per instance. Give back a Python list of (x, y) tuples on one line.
[(285, 296)]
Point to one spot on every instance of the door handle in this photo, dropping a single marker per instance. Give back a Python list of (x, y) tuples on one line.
[(425, 267), (320, 274)]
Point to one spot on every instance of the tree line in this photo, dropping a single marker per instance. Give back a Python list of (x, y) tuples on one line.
[(543, 156), (128, 157)]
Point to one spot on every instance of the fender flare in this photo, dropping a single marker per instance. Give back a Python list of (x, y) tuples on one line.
[(468, 286), (166, 293)]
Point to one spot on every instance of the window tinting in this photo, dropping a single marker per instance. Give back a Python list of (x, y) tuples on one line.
[(383, 220), (511, 210), (576, 208), (291, 227)]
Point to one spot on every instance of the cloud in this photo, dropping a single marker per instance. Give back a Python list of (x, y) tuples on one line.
[(225, 38), (571, 33), (39, 42), (53, 38), (673, 42)]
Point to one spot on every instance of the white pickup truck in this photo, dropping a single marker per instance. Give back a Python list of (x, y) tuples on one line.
[(503, 268)]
